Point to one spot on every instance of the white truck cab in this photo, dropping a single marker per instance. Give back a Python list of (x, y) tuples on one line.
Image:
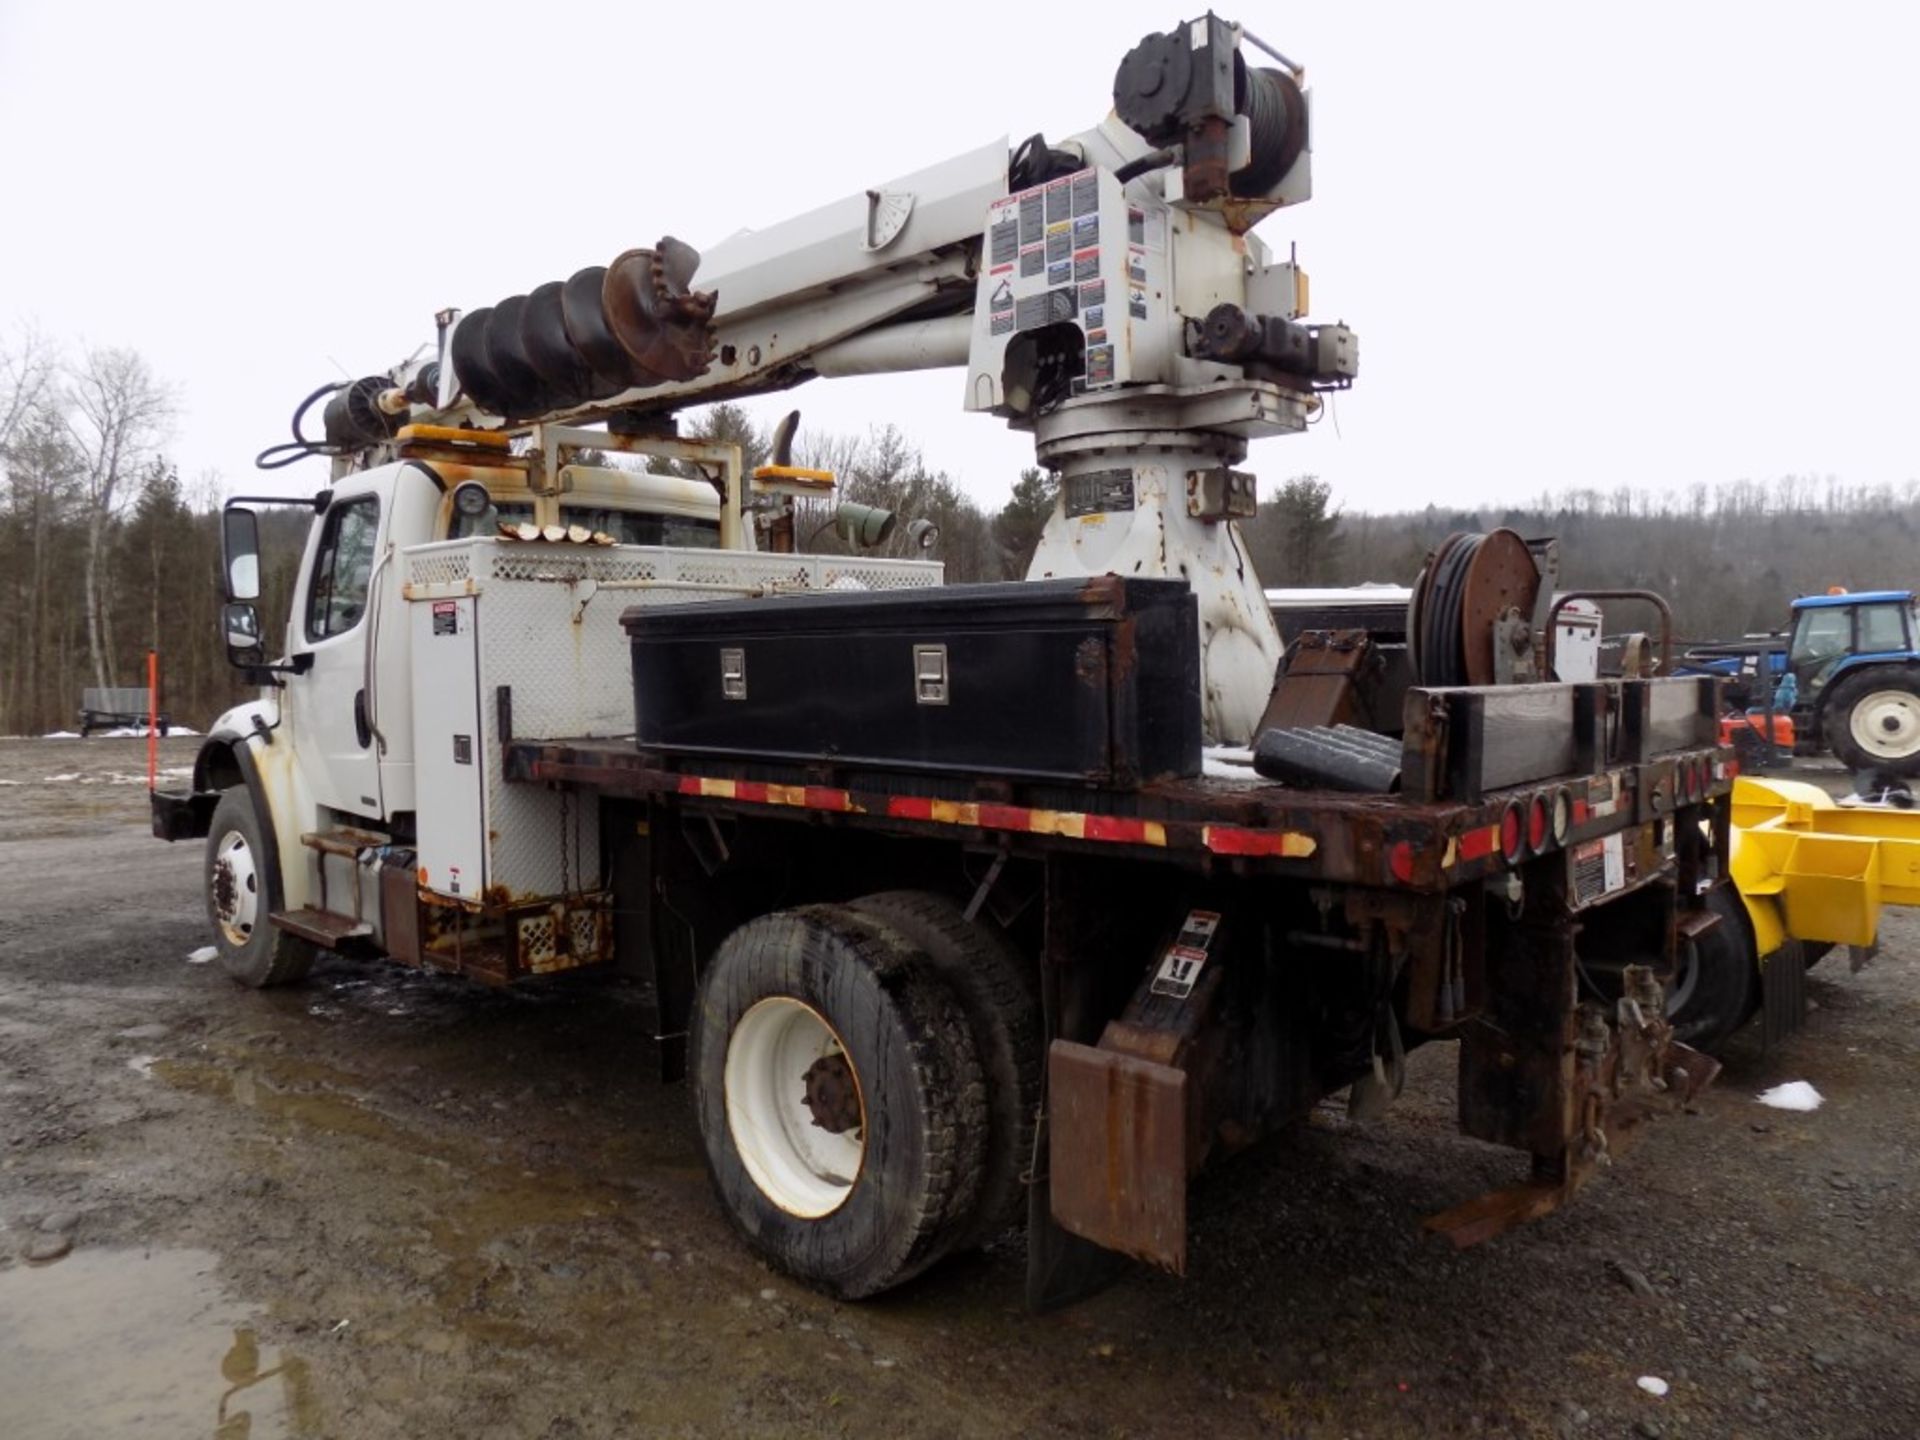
[(466, 590)]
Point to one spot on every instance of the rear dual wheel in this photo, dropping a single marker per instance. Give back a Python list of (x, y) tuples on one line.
[(852, 1087)]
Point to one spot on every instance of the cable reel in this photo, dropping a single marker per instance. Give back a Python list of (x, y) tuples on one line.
[(1470, 621)]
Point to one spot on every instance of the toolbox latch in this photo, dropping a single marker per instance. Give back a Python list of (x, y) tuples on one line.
[(930, 674), (733, 672)]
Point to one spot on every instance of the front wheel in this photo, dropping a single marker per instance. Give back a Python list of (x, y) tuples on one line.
[(1872, 719), (839, 1098), (243, 889)]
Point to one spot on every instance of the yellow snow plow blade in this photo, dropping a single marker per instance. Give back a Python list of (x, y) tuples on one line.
[(1809, 869)]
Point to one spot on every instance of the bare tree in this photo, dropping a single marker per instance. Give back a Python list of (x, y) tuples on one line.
[(26, 381), (117, 413)]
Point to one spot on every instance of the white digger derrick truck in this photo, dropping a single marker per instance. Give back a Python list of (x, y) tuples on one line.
[(959, 906)]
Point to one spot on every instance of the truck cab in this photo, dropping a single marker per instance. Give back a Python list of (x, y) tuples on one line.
[(1855, 659), (314, 785)]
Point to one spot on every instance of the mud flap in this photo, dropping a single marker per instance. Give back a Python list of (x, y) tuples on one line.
[(1117, 1152), (1062, 1268)]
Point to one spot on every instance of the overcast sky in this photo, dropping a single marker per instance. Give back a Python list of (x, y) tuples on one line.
[(1599, 244)]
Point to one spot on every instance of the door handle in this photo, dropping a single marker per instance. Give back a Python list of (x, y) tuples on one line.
[(361, 729)]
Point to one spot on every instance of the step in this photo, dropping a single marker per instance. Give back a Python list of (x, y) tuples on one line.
[(326, 928), (343, 840)]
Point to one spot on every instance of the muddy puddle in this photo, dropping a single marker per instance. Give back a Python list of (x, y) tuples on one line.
[(114, 1343)]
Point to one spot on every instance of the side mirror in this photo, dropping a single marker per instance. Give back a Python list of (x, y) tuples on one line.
[(240, 548), (240, 624)]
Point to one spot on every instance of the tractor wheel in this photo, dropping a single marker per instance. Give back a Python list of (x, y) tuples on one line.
[(996, 992), (1716, 978), (1872, 719), (839, 1098), (243, 888)]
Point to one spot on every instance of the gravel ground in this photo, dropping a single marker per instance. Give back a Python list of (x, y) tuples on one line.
[(391, 1205)]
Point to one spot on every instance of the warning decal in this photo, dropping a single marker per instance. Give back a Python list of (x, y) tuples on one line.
[(1033, 220), (1179, 972), (1099, 492), (1005, 242), (1086, 192)]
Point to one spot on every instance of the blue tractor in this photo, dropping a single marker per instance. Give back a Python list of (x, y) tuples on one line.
[(1854, 660)]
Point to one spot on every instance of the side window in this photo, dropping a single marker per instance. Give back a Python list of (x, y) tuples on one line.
[(337, 595), (1882, 627), (1824, 632)]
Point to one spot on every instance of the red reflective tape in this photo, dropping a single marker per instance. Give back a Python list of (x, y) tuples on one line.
[(1477, 843), (823, 797), (752, 791), (689, 785), (1120, 829), (1005, 817), (910, 807), (1235, 840), (1580, 812)]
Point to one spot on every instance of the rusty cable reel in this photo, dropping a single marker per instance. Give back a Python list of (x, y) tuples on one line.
[(1470, 584)]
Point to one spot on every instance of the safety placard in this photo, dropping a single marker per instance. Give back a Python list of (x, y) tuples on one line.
[(1180, 968), (1599, 867)]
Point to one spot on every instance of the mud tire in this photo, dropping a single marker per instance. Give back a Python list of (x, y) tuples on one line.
[(996, 993), (1725, 982), (918, 1183), (268, 955)]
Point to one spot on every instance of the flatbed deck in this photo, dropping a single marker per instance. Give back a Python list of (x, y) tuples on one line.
[(1256, 825)]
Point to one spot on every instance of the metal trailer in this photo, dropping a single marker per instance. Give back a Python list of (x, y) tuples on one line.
[(115, 707), (1214, 955)]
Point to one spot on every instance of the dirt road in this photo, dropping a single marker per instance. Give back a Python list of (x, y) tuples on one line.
[(389, 1205)]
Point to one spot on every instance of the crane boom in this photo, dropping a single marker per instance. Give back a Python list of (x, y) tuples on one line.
[(1104, 293)]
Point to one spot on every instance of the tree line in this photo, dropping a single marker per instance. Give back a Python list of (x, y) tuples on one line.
[(105, 551), (1731, 558)]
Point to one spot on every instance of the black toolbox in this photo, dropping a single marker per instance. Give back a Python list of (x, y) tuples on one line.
[(1095, 680)]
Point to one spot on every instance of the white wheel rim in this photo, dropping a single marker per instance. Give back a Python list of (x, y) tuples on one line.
[(235, 888), (799, 1164), (1886, 724)]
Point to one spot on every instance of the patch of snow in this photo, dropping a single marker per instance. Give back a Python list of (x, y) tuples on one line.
[(138, 732), (142, 1065), (61, 735), (59, 779), (1794, 1095), (1652, 1384), (1235, 762), (202, 955)]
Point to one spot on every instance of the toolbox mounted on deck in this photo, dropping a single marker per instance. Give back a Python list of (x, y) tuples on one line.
[(1095, 680)]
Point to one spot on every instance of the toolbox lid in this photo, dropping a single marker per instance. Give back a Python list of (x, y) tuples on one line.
[(1098, 597)]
